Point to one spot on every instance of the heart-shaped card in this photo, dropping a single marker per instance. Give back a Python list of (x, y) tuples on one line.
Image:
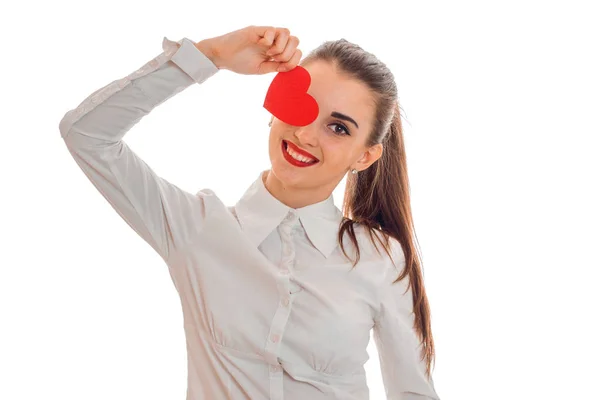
[(288, 100)]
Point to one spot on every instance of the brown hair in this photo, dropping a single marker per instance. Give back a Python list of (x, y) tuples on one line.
[(378, 197)]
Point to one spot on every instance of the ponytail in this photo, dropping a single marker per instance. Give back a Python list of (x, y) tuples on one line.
[(379, 199)]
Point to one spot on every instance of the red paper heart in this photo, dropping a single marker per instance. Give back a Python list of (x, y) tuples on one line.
[(287, 98)]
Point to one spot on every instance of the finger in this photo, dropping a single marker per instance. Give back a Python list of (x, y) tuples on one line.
[(266, 35), (281, 38), (288, 52), (292, 63)]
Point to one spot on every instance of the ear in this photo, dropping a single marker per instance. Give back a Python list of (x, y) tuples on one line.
[(369, 157)]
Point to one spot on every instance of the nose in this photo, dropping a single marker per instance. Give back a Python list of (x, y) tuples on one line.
[(307, 135)]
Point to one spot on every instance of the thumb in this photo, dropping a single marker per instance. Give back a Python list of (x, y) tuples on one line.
[(269, 66)]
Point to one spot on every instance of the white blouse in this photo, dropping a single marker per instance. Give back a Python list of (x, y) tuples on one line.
[(272, 309)]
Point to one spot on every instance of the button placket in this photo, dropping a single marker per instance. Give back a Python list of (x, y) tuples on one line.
[(276, 382), (283, 310), (287, 242), (282, 313), (276, 332)]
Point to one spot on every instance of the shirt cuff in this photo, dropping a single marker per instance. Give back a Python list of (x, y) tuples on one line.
[(191, 60)]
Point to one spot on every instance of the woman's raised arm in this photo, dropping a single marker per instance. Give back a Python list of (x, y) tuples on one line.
[(165, 216)]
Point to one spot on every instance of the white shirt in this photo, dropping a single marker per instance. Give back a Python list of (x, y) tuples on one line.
[(272, 308)]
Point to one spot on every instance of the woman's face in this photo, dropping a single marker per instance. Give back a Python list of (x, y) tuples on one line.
[(335, 142)]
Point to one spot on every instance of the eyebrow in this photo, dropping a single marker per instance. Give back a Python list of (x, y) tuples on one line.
[(344, 117)]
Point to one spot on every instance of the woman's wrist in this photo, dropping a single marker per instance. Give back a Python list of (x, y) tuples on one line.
[(208, 48)]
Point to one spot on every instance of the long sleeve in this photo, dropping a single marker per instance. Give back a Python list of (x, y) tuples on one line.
[(403, 372), (165, 216)]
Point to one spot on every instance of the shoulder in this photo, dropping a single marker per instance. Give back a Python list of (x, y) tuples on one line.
[(203, 193), (371, 243), (209, 204), (372, 252), (209, 197)]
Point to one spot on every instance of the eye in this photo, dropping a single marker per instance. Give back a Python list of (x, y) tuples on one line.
[(343, 131)]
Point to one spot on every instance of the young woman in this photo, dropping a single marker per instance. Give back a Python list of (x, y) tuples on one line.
[(274, 306)]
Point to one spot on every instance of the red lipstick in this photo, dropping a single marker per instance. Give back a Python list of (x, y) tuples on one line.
[(292, 160)]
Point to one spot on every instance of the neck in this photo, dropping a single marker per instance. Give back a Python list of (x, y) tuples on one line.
[(294, 197)]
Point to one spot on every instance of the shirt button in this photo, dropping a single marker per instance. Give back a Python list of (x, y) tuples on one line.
[(285, 302), (275, 338), (274, 368)]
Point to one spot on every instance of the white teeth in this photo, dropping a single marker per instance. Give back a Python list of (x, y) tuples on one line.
[(298, 156)]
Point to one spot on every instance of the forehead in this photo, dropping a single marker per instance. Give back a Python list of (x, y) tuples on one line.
[(335, 91)]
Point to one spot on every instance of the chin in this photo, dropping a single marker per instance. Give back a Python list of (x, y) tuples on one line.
[(287, 174)]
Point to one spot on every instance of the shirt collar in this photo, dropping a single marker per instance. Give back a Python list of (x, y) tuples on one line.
[(259, 213)]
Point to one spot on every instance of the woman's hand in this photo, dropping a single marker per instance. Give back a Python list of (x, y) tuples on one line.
[(254, 50)]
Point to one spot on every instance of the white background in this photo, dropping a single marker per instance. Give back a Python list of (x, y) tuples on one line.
[(501, 117)]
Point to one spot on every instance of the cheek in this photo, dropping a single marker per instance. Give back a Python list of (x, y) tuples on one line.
[(334, 151), (272, 145), (275, 138)]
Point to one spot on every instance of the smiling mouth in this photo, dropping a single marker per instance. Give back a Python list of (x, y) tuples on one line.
[(294, 161)]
